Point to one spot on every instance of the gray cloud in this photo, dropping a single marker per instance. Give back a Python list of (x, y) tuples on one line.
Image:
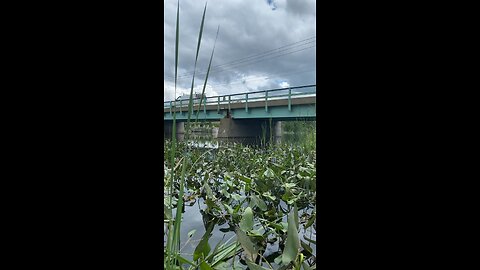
[(284, 31)]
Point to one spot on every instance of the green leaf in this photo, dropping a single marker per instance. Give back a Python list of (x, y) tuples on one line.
[(254, 266), (306, 247), (252, 204), (229, 209), (259, 202), (210, 203), (223, 266), (309, 240), (269, 195), (293, 243), (225, 193), (295, 215), (183, 260), (244, 178), (262, 205), (167, 212), (278, 260), (205, 266), (269, 173), (256, 233), (208, 190), (247, 220), (247, 245), (290, 185), (286, 197), (311, 221), (203, 248), (236, 197), (277, 226)]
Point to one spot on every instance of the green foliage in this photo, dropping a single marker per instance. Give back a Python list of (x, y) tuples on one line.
[(249, 188), (303, 132)]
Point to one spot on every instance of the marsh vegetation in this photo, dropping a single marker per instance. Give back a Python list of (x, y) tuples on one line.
[(265, 198)]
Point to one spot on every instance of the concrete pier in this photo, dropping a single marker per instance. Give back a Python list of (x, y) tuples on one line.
[(277, 132), (214, 132), (167, 129)]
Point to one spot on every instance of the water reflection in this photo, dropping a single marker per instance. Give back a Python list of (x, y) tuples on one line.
[(208, 140), (193, 220)]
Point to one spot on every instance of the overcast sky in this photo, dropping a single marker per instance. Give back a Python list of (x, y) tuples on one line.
[(262, 44)]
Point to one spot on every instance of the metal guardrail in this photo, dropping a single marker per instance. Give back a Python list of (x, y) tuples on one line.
[(266, 95)]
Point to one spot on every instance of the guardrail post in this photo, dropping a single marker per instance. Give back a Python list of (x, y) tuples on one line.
[(180, 106), (218, 105), (266, 101), (229, 99), (289, 99), (170, 107), (246, 102)]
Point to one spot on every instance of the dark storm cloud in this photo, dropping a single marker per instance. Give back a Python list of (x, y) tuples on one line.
[(247, 28), (301, 7)]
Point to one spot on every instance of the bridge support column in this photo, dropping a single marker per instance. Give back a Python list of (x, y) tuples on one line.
[(180, 128), (167, 129), (214, 132), (277, 132)]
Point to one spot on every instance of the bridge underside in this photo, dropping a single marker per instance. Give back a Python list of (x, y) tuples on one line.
[(305, 112), (238, 130)]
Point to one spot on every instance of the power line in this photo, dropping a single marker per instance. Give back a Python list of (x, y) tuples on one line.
[(268, 52), (245, 64), (239, 63), (276, 76)]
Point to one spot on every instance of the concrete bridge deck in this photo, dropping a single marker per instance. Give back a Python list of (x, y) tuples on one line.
[(284, 103), (246, 115)]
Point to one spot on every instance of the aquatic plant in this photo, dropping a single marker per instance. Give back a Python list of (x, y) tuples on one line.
[(253, 190)]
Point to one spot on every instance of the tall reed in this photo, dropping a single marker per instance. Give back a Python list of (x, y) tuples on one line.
[(172, 250)]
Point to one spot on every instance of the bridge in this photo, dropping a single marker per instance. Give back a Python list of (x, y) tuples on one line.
[(246, 115)]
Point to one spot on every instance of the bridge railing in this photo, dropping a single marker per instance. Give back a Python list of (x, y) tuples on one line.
[(223, 101)]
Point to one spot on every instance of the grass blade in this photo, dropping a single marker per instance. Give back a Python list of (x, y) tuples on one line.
[(171, 247), (208, 71), (190, 103)]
